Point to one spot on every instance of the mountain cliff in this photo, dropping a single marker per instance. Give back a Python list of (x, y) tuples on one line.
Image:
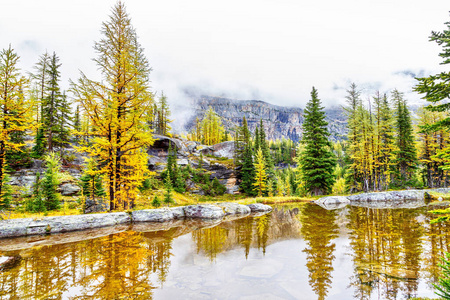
[(279, 121)]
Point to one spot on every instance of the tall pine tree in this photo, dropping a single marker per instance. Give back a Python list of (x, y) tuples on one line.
[(406, 156), (317, 161)]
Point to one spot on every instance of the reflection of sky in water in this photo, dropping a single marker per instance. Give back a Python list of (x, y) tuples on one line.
[(299, 260)]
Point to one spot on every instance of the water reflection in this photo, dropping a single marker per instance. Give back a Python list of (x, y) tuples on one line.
[(319, 229), (381, 253), (252, 232), (101, 269)]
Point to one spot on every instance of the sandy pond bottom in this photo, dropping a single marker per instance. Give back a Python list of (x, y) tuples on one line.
[(298, 251)]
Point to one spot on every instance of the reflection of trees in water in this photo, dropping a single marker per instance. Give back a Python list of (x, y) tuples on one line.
[(250, 232), (437, 241), (112, 267), (319, 228), (210, 241), (387, 248)]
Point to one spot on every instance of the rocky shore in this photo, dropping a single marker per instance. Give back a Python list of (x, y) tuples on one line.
[(61, 224), (391, 199)]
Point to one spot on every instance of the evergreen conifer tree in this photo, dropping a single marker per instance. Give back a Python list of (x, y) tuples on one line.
[(39, 144), (248, 173), (241, 144), (64, 120), (52, 101), (50, 182), (156, 203), (168, 195), (37, 201), (406, 156), (317, 160), (77, 124), (257, 143), (266, 153)]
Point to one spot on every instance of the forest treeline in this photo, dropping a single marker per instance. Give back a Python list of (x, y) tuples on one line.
[(112, 121)]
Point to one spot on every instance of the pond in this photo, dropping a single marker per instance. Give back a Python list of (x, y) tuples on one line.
[(299, 251)]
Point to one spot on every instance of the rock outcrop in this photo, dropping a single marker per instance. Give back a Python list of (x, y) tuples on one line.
[(259, 207), (391, 199), (234, 208), (59, 224), (31, 226), (388, 196), (279, 121), (333, 202), (204, 211), (188, 153), (152, 215)]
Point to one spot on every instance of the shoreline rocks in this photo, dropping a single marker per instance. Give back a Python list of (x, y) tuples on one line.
[(61, 224), (391, 199), (259, 207)]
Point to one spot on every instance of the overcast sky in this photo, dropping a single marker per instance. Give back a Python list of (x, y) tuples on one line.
[(264, 49)]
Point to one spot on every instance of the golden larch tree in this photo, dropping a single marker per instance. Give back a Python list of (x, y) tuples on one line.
[(260, 184), (118, 109), (15, 109)]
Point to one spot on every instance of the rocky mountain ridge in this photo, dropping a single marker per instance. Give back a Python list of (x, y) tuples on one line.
[(279, 121)]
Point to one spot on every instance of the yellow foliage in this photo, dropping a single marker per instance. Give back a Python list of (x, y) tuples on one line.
[(260, 173), (118, 109), (15, 109)]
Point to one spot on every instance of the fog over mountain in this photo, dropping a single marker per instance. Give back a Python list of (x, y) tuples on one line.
[(279, 121)]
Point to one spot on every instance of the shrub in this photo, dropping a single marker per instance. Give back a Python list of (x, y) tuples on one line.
[(156, 203)]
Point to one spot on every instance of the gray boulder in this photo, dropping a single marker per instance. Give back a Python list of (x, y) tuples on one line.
[(69, 189), (92, 206), (259, 207), (178, 212), (388, 196), (333, 202), (224, 149), (234, 208), (30, 226), (204, 211), (152, 215), (183, 162)]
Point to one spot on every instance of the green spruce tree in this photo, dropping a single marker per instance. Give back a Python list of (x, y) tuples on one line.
[(317, 160), (50, 182), (39, 144), (248, 173), (156, 203), (77, 124), (52, 102), (168, 199), (37, 201), (406, 156)]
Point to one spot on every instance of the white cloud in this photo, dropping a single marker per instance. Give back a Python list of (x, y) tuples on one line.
[(271, 50)]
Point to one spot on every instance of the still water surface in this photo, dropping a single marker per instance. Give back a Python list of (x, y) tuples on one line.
[(299, 251)]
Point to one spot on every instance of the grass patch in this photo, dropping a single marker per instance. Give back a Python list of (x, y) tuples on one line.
[(59, 212), (275, 200)]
